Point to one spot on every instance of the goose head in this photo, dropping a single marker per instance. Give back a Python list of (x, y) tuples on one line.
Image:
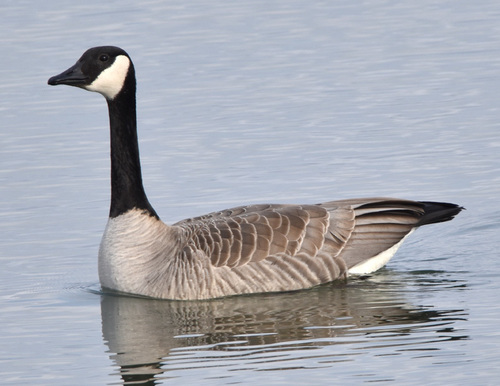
[(101, 69)]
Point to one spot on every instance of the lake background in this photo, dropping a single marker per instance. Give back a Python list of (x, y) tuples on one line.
[(247, 102)]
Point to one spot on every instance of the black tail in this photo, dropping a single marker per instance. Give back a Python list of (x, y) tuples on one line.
[(438, 212)]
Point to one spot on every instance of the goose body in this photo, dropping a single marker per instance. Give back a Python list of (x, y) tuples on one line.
[(247, 249)]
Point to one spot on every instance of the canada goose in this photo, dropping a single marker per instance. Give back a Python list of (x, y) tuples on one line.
[(248, 249)]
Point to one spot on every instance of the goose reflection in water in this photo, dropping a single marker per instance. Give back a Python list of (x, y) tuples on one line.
[(150, 339)]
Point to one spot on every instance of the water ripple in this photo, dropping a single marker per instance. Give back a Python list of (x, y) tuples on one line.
[(319, 328)]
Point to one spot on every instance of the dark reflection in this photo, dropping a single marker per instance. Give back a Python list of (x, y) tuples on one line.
[(143, 335)]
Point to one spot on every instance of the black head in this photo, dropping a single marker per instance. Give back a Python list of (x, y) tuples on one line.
[(100, 69)]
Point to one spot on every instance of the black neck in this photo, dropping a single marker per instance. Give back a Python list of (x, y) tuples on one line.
[(127, 191)]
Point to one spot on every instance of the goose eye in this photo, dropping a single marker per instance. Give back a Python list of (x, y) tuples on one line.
[(103, 58)]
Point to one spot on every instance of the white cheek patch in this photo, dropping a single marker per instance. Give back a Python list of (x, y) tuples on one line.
[(110, 82)]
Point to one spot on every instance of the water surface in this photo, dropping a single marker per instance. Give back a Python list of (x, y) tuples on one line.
[(248, 102)]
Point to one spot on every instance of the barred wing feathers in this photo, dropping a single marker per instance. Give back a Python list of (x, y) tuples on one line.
[(241, 235)]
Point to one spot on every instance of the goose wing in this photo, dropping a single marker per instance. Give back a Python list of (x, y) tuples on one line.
[(237, 236), (349, 231)]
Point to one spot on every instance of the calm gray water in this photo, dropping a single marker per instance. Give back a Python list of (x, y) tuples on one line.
[(245, 102)]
